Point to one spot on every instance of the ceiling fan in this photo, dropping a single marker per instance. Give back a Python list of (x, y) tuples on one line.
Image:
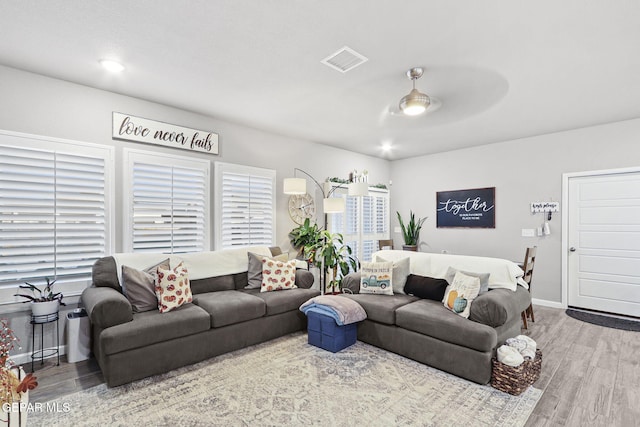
[(415, 103)]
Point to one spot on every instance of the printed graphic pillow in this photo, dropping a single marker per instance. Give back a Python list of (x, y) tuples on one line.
[(375, 278), (461, 294), (173, 288), (278, 275), (400, 273)]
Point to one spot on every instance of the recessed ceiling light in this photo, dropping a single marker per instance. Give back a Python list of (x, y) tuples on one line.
[(111, 65), (386, 146)]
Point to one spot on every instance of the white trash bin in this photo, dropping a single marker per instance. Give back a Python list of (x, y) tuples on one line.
[(78, 336)]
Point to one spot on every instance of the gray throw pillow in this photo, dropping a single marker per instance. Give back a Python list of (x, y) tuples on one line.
[(484, 278), (139, 286), (399, 274), (304, 279), (254, 269)]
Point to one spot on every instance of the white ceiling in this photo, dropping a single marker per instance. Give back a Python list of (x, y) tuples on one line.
[(502, 69)]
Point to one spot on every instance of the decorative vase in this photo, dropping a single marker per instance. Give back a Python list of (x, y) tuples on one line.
[(45, 308), (413, 248), (14, 414)]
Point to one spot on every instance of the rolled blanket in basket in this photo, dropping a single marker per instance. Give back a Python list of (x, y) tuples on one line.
[(530, 351), (516, 343), (343, 310), (509, 356)]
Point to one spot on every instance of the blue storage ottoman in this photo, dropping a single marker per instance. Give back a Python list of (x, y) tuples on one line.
[(325, 333)]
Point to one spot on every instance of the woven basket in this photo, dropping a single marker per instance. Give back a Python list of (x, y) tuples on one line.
[(535, 367), (515, 380)]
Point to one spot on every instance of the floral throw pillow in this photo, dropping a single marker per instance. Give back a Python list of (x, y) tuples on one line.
[(278, 275), (173, 288), (461, 293)]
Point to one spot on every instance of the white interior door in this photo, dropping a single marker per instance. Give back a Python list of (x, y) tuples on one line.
[(603, 260)]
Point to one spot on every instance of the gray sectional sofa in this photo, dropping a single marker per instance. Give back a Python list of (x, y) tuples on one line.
[(426, 331), (223, 317)]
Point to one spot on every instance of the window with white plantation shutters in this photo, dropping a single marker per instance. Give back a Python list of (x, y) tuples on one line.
[(54, 215), (167, 203), (245, 206), (364, 221)]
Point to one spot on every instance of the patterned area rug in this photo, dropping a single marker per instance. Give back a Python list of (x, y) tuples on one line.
[(289, 382)]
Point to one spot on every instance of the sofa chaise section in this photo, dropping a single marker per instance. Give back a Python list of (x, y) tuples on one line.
[(426, 331)]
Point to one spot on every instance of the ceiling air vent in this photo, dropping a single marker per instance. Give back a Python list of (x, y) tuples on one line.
[(345, 59)]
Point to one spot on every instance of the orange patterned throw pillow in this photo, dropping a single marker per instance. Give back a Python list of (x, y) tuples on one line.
[(173, 288), (278, 275)]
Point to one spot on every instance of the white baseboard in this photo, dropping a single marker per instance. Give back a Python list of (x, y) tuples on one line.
[(25, 358), (547, 303)]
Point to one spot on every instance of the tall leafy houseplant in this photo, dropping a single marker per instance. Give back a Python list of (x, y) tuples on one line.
[(305, 237), (411, 231), (335, 256)]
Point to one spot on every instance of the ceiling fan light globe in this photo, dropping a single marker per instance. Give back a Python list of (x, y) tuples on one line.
[(414, 103), (414, 110)]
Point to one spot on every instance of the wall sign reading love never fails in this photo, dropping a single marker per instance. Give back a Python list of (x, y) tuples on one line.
[(131, 128)]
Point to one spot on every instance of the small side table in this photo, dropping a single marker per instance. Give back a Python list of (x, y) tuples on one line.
[(42, 320)]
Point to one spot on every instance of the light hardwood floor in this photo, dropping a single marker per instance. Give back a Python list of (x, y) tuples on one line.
[(590, 374)]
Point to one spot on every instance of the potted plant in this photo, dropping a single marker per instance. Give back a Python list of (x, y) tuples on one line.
[(335, 257), (411, 232), (304, 238), (43, 302)]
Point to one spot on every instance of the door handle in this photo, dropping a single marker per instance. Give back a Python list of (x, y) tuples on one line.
[(572, 249)]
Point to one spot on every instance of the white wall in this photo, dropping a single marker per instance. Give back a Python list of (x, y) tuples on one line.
[(43, 106), (522, 171), (40, 105)]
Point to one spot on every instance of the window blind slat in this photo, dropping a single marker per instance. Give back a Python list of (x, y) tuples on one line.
[(364, 222), (53, 214), (168, 208), (246, 203)]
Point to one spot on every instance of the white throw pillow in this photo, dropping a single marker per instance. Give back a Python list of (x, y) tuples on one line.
[(461, 294), (375, 278)]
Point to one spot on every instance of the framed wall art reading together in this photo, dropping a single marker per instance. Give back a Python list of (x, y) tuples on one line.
[(474, 208)]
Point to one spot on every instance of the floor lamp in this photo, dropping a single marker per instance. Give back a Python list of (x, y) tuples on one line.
[(330, 204)]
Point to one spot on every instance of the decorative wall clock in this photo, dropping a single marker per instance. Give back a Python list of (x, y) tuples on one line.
[(301, 207)]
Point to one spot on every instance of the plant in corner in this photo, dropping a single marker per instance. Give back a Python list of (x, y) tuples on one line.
[(43, 302), (335, 256), (305, 238), (411, 232)]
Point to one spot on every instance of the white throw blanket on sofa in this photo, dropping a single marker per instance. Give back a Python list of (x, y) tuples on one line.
[(200, 265), (503, 273)]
